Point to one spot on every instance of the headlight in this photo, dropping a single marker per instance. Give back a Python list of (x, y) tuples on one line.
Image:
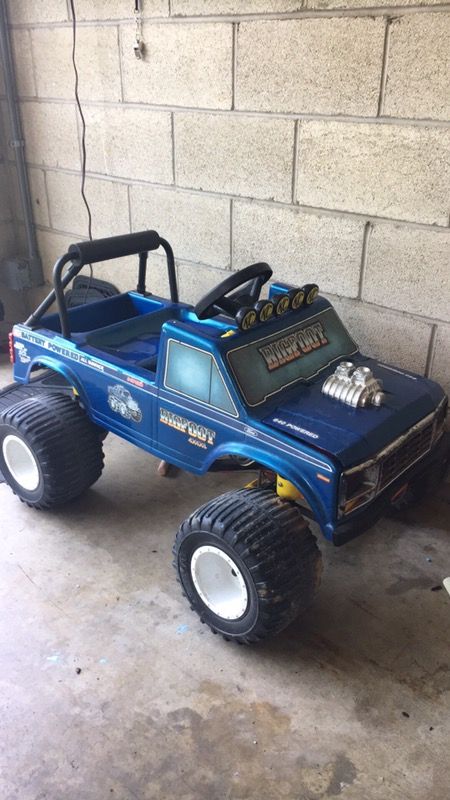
[(358, 486)]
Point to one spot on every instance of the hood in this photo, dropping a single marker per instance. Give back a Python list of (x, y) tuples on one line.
[(355, 434)]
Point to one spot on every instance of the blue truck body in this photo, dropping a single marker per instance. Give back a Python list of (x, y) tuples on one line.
[(191, 392)]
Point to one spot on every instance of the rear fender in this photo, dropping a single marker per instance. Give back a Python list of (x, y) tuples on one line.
[(47, 362)]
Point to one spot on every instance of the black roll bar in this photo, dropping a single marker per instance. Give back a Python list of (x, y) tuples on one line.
[(103, 250)]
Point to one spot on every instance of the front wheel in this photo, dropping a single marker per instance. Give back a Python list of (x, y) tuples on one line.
[(248, 564)]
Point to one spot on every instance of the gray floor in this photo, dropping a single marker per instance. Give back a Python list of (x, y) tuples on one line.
[(351, 701)]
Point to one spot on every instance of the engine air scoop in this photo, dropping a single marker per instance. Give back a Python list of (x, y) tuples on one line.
[(354, 386)]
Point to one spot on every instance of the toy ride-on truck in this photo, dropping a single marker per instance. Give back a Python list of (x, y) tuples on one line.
[(275, 386)]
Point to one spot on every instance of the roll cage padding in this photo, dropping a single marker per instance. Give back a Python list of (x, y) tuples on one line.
[(129, 244)]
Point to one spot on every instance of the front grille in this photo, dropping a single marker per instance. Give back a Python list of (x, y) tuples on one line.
[(409, 451)]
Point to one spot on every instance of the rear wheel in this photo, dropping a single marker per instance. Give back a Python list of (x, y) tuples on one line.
[(248, 564), (50, 452)]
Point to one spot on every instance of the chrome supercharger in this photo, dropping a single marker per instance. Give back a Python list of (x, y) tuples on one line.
[(355, 386)]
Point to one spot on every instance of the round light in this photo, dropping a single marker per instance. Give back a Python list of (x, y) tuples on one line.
[(264, 310), (297, 297), (281, 304), (246, 318), (311, 291)]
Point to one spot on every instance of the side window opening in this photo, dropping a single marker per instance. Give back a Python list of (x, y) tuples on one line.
[(195, 374)]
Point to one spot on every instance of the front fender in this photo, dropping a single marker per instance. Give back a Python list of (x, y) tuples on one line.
[(319, 495)]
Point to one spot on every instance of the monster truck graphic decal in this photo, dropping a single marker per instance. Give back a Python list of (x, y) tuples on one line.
[(121, 402), (22, 353)]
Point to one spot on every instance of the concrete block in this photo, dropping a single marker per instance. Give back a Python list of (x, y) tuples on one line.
[(440, 365), (129, 143), (320, 66), (30, 11), (194, 280), (197, 226), (330, 4), (97, 54), (409, 270), (299, 247), (397, 171), (23, 62), (108, 202), (388, 336), (234, 154), (118, 9), (185, 65), (50, 132), (418, 77), (38, 195), (51, 246), (185, 8)]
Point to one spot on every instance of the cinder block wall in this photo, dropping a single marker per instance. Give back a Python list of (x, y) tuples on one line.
[(313, 134), (14, 303)]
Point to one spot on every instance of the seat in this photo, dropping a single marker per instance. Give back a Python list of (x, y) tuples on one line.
[(135, 340), (149, 363)]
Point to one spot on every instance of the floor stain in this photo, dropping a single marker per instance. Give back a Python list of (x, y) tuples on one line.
[(403, 585), (234, 750), (344, 773)]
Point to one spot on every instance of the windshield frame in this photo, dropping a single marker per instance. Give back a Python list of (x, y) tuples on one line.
[(282, 332)]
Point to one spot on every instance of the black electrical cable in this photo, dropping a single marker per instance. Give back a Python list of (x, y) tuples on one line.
[(83, 139)]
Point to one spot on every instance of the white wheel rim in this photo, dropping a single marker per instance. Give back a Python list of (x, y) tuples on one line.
[(219, 582), (21, 462)]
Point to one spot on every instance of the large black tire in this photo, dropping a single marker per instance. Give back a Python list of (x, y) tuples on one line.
[(47, 382), (268, 547), (64, 444)]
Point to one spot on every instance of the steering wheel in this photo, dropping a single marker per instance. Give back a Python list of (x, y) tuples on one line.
[(216, 300)]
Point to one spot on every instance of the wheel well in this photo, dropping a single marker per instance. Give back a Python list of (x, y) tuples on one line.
[(308, 500), (39, 370), (65, 375)]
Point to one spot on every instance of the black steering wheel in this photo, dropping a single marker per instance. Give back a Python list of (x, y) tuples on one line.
[(216, 301)]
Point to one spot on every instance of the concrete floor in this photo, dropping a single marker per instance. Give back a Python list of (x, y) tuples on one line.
[(351, 701)]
